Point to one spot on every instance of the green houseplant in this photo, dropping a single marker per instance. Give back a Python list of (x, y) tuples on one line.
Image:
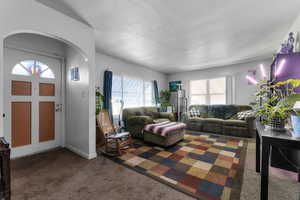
[(165, 96), (99, 101), (274, 103)]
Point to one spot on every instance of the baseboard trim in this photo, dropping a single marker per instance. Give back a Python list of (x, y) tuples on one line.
[(81, 153)]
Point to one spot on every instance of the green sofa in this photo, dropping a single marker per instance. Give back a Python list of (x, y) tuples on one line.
[(220, 119), (135, 119)]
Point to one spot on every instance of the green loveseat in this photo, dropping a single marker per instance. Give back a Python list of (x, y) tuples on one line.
[(220, 119), (135, 119)]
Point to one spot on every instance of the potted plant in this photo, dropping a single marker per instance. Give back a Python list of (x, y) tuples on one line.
[(165, 96), (274, 108), (99, 101), (273, 114)]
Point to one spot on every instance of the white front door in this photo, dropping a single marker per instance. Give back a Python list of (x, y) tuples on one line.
[(33, 102)]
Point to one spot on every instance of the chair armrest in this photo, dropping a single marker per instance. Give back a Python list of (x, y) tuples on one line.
[(167, 115), (140, 120)]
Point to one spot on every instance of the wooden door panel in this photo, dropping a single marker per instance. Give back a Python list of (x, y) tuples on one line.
[(46, 121), (21, 88), (21, 123), (47, 89)]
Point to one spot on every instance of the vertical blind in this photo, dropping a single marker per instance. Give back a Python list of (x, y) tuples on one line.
[(133, 92)]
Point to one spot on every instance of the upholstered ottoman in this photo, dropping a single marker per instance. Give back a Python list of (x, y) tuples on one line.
[(165, 133)]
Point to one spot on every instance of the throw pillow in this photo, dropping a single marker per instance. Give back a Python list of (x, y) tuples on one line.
[(245, 114), (194, 113)]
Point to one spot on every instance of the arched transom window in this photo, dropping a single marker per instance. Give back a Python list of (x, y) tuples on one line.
[(32, 67)]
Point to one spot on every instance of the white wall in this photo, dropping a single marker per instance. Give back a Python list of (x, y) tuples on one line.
[(37, 43), (43, 20), (77, 103), (238, 90), (121, 67)]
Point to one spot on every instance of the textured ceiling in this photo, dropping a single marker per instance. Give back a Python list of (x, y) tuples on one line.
[(183, 35)]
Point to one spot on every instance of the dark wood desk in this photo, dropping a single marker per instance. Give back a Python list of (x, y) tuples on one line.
[(265, 140)]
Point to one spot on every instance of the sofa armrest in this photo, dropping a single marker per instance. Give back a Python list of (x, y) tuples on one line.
[(167, 115), (185, 117), (140, 120), (251, 125)]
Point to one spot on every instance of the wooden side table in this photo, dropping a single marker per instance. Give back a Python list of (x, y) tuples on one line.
[(5, 191)]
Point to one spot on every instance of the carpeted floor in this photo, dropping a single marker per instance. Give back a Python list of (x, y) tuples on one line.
[(205, 166), (62, 175)]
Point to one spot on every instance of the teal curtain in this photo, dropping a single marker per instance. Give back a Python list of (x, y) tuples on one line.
[(156, 93), (107, 91)]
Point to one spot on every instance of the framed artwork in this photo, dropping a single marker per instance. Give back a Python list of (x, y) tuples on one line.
[(173, 85), (75, 74)]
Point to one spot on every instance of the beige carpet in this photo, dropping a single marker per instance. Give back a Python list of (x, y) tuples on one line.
[(62, 175)]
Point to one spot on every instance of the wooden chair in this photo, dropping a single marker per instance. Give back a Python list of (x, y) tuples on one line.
[(114, 142)]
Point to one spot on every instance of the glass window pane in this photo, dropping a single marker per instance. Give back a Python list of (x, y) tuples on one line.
[(132, 92), (19, 70), (40, 67), (117, 83), (198, 99), (217, 99), (47, 74), (28, 65), (116, 102), (149, 96), (198, 87), (217, 86)]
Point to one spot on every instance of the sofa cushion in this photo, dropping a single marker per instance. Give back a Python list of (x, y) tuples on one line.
[(154, 115), (230, 111), (236, 123), (139, 120), (216, 111), (196, 119), (213, 120), (138, 113), (159, 120)]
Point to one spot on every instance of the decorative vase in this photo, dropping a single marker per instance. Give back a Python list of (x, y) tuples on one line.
[(277, 124), (296, 125)]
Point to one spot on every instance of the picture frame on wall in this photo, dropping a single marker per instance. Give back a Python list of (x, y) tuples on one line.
[(173, 86), (75, 74)]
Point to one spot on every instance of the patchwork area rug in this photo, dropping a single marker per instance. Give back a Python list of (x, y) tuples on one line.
[(207, 167)]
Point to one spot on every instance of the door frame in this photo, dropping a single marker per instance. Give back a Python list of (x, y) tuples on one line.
[(63, 89)]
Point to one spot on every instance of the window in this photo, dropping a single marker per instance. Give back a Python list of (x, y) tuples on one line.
[(212, 91), (32, 67), (132, 92)]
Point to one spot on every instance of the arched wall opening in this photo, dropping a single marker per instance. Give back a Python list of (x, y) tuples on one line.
[(72, 107), (45, 21)]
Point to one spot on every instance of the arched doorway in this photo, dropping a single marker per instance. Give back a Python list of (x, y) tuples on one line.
[(34, 96)]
